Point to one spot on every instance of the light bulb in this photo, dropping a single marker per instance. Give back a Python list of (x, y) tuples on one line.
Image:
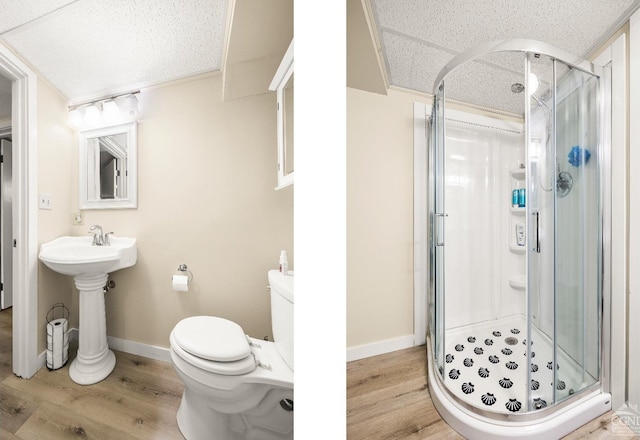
[(92, 115), (110, 111), (130, 106), (74, 118)]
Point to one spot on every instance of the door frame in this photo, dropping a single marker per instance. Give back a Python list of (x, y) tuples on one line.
[(25, 211), (615, 320)]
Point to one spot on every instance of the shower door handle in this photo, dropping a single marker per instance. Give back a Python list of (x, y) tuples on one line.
[(439, 232), (537, 243)]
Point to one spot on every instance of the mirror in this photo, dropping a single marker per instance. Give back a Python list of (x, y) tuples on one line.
[(287, 103), (282, 83), (108, 164)]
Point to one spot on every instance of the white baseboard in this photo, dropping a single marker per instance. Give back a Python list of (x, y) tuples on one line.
[(380, 347), (131, 347), (42, 359), (140, 349), (162, 354)]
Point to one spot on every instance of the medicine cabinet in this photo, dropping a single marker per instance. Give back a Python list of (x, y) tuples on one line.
[(108, 164), (282, 83)]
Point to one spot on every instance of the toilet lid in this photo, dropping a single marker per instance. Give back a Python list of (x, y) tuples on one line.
[(212, 338)]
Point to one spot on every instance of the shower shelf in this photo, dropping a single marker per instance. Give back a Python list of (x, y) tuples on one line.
[(518, 282), (518, 177), (516, 249), (518, 173)]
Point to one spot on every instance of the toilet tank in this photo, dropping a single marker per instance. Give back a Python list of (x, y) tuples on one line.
[(282, 313)]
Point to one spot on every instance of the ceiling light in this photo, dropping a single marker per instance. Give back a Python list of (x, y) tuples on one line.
[(130, 106)]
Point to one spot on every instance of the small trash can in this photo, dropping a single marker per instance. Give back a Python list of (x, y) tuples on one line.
[(57, 336)]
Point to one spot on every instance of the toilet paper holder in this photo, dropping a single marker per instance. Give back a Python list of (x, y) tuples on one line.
[(57, 308), (57, 353), (184, 269)]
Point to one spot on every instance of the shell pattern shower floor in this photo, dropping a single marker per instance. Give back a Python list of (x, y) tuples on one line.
[(486, 366)]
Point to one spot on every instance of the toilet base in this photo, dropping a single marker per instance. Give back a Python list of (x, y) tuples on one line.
[(197, 422), (268, 421)]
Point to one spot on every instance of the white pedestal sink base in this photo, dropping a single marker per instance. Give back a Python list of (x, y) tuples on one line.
[(94, 361), (84, 374), (89, 265)]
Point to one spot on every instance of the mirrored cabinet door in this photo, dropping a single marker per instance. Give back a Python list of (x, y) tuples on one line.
[(287, 110), (108, 163), (283, 85)]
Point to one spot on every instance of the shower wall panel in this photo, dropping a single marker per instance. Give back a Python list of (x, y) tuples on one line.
[(478, 262)]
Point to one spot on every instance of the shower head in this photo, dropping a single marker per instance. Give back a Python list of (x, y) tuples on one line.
[(543, 105)]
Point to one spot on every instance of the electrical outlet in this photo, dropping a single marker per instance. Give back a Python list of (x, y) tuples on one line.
[(78, 218), (45, 201)]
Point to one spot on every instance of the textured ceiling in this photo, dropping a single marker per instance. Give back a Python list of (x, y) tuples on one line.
[(419, 37), (90, 48)]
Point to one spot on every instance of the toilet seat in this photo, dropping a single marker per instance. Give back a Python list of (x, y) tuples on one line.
[(213, 344)]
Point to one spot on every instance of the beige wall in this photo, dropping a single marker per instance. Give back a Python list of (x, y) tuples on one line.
[(379, 216), (206, 178), (56, 148)]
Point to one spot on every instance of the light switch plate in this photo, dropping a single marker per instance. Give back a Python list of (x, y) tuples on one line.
[(45, 201), (78, 218)]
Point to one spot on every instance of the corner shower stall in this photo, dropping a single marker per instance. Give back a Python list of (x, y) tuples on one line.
[(517, 242)]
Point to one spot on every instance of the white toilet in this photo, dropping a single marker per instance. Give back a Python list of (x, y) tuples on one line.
[(237, 387)]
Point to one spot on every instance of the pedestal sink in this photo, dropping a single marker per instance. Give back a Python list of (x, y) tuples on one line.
[(90, 266)]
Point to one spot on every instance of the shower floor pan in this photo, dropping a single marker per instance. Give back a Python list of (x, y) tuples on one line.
[(486, 366)]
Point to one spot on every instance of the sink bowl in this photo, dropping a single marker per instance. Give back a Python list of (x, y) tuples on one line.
[(76, 256)]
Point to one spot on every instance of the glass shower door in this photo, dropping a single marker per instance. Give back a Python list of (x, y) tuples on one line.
[(540, 215), (563, 256), (577, 250)]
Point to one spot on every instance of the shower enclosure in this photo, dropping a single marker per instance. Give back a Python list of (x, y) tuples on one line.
[(517, 242)]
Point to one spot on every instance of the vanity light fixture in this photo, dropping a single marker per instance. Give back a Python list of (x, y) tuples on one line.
[(107, 110)]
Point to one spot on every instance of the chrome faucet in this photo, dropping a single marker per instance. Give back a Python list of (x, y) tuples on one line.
[(99, 238)]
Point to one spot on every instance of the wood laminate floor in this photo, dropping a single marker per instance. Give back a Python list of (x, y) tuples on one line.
[(138, 400), (388, 398)]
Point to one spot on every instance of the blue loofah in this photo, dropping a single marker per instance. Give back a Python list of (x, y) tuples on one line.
[(578, 156)]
